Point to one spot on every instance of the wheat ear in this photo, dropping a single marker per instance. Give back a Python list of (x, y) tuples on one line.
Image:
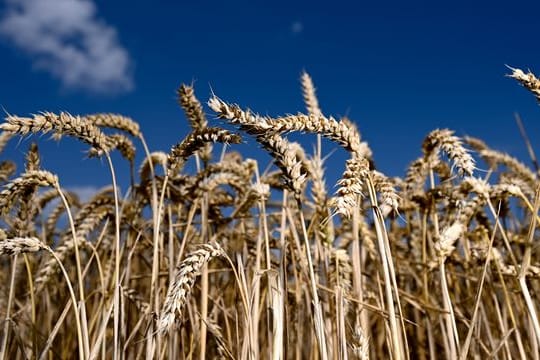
[(180, 289), (114, 121), (63, 124), (310, 97), (350, 186), (444, 140), (528, 80), (20, 245), (194, 142), (18, 185)]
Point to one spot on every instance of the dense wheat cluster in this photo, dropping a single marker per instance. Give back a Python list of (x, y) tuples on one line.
[(209, 256)]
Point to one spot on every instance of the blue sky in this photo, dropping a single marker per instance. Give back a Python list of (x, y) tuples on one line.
[(399, 69)]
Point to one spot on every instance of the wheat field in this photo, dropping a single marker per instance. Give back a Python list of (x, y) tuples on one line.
[(210, 256)]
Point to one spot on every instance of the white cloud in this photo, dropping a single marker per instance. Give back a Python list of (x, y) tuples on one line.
[(67, 39), (297, 27)]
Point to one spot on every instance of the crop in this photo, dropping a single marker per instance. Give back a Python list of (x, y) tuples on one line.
[(209, 256)]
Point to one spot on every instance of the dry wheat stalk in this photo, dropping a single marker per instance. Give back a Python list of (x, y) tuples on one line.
[(239, 184), (116, 141), (20, 245), (310, 99), (103, 197), (351, 183), (32, 158), (47, 196), (340, 270), (114, 121), (136, 299), (389, 200), (195, 115), (156, 157), (286, 159), (255, 193), (185, 276), (250, 122), (192, 107), (339, 131), (5, 136), (284, 153), (475, 143), (18, 185), (444, 140), (360, 344), (67, 244), (493, 158), (22, 225), (243, 170), (445, 244), (63, 124), (320, 199), (194, 142), (528, 80), (417, 173), (7, 168)]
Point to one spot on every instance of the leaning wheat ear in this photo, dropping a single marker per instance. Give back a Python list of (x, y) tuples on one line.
[(284, 153), (120, 142), (350, 186), (114, 121), (20, 245), (195, 115), (29, 179), (63, 124), (528, 80), (445, 141), (180, 289), (194, 142)]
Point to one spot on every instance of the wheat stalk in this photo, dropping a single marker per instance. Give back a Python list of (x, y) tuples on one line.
[(62, 124), (444, 140), (528, 80), (114, 121), (180, 289), (20, 245), (194, 142)]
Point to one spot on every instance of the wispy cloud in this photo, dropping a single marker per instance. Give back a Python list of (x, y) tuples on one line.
[(69, 40), (297, 27)]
